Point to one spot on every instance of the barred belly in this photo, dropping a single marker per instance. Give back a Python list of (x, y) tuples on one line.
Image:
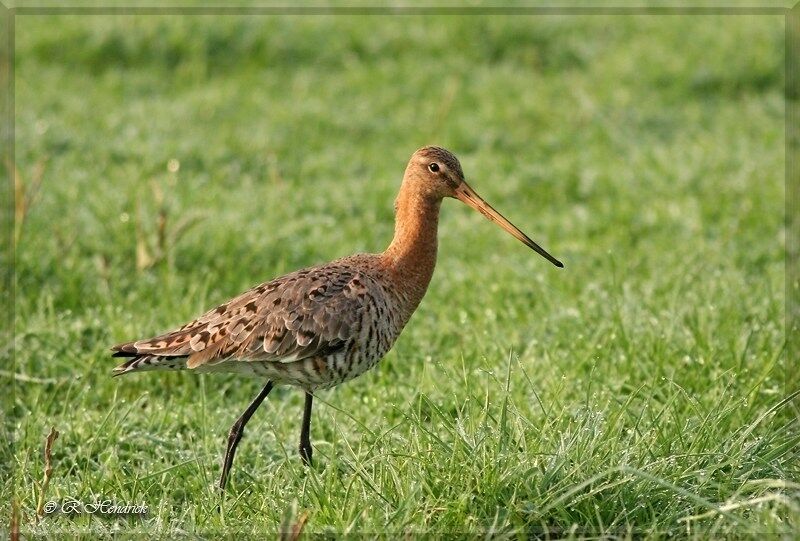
[(310, 374)]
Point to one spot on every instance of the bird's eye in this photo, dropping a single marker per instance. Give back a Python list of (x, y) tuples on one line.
[(434, 167)]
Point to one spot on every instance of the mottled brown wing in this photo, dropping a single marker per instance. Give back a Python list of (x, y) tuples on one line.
[(307, 313)]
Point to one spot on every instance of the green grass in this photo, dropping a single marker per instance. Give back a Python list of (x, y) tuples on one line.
[(639, 391)]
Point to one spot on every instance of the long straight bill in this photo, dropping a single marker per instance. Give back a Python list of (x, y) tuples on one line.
[(466, 194)]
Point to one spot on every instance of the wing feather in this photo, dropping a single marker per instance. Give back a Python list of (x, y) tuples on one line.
[(307, 313)]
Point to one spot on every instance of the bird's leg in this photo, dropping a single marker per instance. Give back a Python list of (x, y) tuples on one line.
[(305, 431), (237, 430)]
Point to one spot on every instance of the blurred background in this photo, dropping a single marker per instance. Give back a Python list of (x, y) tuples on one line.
[(168, 162), (279, 141)]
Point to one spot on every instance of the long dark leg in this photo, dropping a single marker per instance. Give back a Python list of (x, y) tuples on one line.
[(237, 430), (305, 432)]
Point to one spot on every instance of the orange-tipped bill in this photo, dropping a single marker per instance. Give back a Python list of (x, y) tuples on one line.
[(466, 194)]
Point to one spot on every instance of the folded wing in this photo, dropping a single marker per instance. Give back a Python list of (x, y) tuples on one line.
[(311, 312)]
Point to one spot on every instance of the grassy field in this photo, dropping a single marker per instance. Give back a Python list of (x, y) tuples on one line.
[(169, 163)]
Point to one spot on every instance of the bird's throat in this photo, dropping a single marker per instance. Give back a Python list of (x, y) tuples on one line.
[(411, 257)]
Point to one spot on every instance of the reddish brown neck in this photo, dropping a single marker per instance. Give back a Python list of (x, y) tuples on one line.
[(411, 257)]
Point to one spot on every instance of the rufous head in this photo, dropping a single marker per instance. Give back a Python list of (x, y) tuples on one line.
[(436, 173)]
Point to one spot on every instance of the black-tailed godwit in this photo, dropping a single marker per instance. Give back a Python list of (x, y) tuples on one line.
[(320, 326)]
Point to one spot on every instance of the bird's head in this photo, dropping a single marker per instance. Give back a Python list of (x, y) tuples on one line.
[(436, 173)]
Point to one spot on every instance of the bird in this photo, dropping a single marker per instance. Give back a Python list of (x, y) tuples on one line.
[(320, 326)]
